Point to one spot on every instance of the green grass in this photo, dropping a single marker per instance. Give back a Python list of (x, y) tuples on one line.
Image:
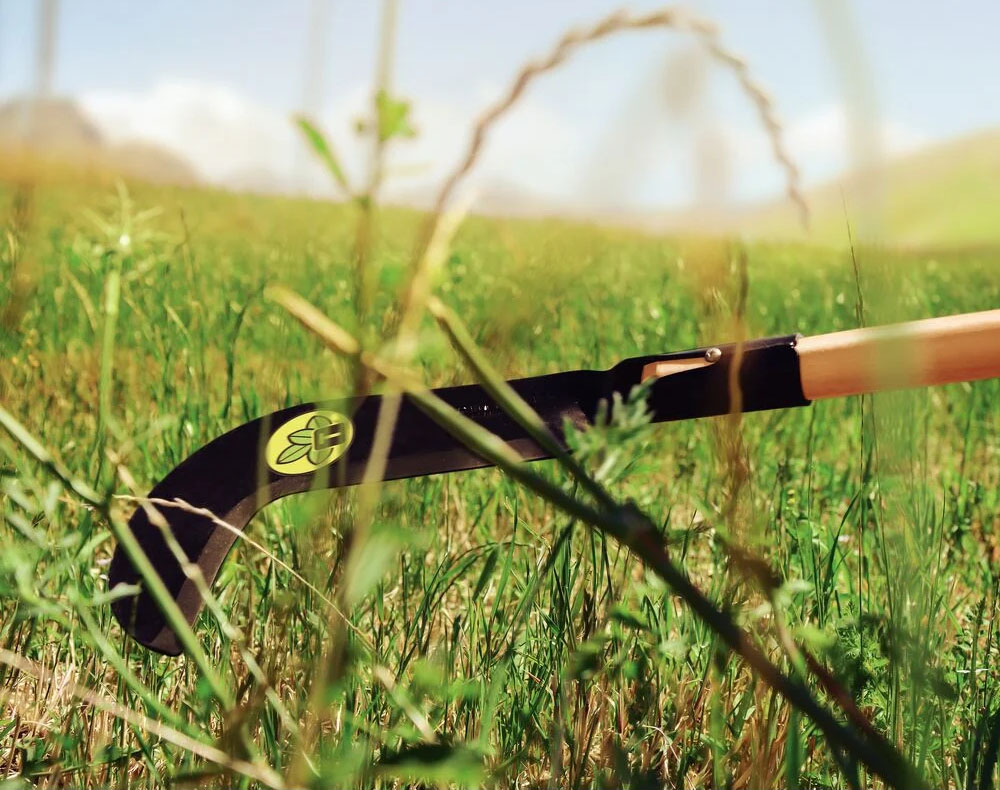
[(494, 639)]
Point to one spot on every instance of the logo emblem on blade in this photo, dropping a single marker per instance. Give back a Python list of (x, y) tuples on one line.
[(309, 442)]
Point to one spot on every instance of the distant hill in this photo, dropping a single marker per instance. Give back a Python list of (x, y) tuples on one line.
[(944, 194), (56, 129), (150, 162), (49, 124)]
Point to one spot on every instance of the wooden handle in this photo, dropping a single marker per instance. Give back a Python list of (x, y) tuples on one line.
[(915, 354)]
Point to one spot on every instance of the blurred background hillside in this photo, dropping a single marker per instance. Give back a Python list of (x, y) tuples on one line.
[(891, 115)]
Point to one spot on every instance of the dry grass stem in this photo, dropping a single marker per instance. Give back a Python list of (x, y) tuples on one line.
[(259, 773), (669, 18)]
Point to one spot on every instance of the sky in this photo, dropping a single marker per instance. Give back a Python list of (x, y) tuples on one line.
[(643, 121)]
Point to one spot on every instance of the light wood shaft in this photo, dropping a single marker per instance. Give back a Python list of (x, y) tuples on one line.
[(915, 354)]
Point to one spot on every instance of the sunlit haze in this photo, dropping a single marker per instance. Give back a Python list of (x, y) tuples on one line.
[(217, 83)]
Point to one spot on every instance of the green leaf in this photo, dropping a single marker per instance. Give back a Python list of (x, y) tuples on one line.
[(321, 146), (317, 421), (428, 676), (435, 763), (815, 638), (292, 453), (628, 617), (120, 590), (16, 783), (586, 661), (793, 751), (305, 436), (317, 456), (374, 558), (393, 117), (6, 726), (487, 572)]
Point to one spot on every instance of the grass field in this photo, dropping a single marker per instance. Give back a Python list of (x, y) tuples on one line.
[(493, 639)]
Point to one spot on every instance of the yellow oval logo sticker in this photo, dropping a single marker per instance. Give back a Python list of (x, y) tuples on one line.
[(309, 442)]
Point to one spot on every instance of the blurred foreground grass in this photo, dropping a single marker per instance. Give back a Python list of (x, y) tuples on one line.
[(504, 654)]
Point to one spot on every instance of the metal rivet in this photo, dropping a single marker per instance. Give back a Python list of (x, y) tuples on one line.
[(713, 355)]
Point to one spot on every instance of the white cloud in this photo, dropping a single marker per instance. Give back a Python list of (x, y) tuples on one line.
[(827, 133), (533, 148), (232, 140), (823, 144), (214, 128)]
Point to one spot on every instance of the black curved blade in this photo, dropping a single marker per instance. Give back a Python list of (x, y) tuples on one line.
[(327, 445), (240, 472)]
